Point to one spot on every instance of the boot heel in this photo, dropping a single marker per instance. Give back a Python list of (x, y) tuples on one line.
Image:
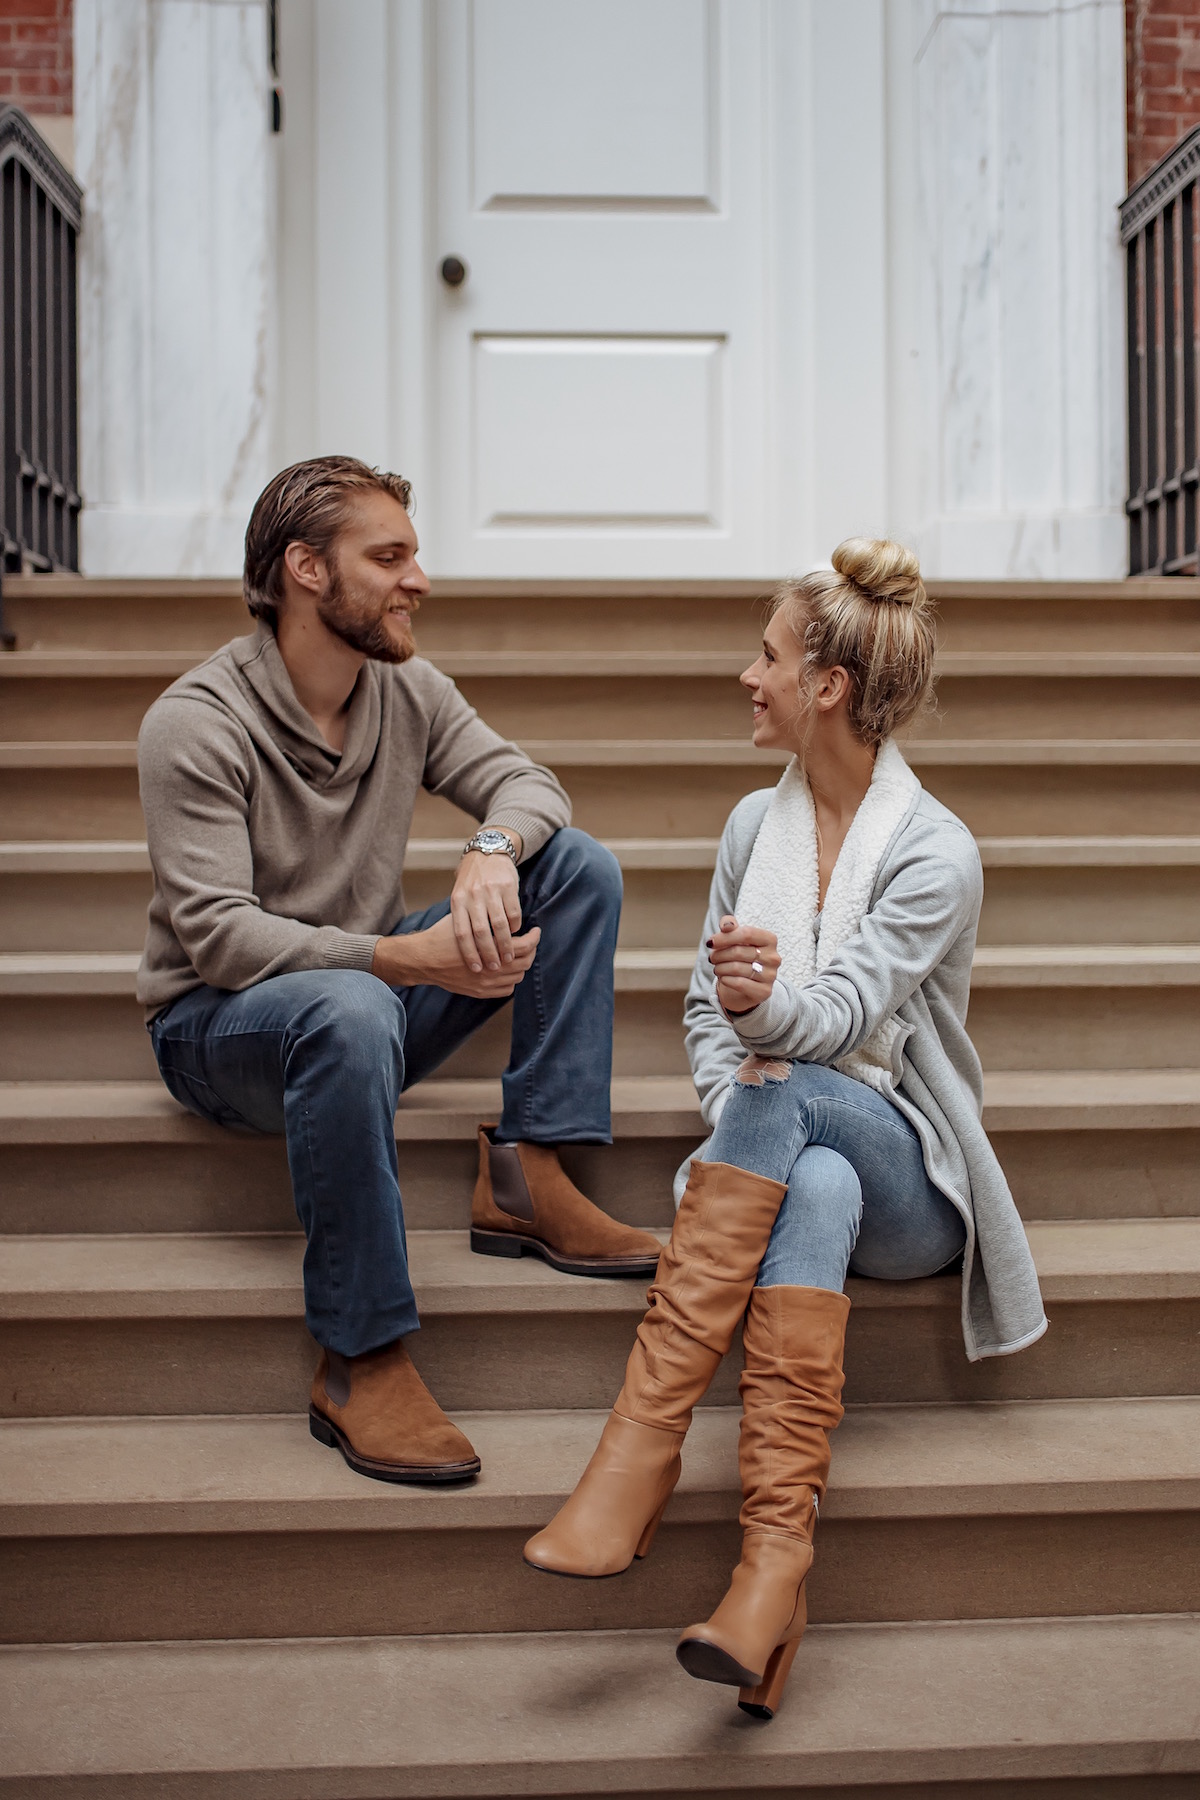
[(494, 1243), (322, 1430), (647, 1537), (762, 1702)]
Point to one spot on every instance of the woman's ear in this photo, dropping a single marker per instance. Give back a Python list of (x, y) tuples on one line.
[(832, 690)]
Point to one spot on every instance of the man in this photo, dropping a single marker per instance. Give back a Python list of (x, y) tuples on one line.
[(278, 781)]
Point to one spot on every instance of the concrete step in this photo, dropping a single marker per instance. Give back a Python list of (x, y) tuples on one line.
[(1138, 616), (213, 1323), (686, 788), (1010, 693), (65, 1014), (122, 1156), (85, 895), (136, 1529), (1095, 1708)]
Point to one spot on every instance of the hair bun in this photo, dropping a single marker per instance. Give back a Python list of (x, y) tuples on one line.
[(882, 569)]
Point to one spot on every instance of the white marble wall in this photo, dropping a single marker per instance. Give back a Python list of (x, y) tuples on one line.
[(177, 272), (1007, 160)]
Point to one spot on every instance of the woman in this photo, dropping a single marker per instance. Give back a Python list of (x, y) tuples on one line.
[(826, 1032)]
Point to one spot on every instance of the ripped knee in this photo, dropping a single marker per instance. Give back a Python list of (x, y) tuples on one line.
[(757, 1069)]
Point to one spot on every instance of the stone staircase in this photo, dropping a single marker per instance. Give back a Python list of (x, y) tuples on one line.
[(199, 1602)]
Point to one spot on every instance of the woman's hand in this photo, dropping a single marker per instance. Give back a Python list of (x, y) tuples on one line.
[(745, 961)]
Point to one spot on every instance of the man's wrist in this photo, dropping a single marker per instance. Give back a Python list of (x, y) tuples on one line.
[(397, 959), (495, 840)]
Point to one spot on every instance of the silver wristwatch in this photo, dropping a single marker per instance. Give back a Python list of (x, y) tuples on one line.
[(491, 842)]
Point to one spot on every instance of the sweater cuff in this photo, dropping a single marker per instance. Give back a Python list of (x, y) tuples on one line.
[(535, 832), (767, 1019), (347, 950)]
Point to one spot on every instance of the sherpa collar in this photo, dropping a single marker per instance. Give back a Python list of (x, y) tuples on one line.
[(780, 888)]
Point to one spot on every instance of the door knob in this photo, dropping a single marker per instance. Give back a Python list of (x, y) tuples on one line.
[(454, 271)]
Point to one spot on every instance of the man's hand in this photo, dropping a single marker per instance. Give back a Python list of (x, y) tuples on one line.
[(433, 959), (745, 960), (485, 905)]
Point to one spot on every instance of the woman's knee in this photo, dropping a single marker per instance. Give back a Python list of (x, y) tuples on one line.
[(823, 1182)]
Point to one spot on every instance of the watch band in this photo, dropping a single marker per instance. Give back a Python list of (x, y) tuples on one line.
[(491, 841)]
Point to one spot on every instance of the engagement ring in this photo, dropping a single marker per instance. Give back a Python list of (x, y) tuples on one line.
[(757, 967)]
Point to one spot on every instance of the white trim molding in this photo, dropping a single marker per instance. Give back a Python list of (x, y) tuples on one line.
[(1007, 163), (176, 283)]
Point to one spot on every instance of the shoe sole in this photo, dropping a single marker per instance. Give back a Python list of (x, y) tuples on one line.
[(503, 1243), (707, 1663), (422, 1474)]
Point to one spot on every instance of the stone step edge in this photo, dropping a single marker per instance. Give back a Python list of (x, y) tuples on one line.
[(185, 1474), (98, 588), (112, 973), (132, 856), (573, 1713), (591, 753), (118, 1277), (141, 1112), (79, 664)]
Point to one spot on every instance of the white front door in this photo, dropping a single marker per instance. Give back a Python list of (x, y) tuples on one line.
[(668, 356), (602, 368)]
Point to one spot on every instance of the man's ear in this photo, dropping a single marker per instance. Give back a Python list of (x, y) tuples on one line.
[(304, 566)]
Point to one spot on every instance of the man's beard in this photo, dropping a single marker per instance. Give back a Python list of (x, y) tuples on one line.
[(353, 619)]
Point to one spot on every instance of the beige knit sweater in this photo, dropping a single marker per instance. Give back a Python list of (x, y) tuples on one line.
[(270, 852)]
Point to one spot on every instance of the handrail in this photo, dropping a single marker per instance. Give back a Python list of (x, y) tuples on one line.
[(40, 217), (1159, 219)]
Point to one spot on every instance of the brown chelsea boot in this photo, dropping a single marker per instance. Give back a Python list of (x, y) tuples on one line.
[(525, 1203), (378, 1412)]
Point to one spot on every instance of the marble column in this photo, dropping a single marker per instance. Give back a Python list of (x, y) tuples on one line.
[(1007, 160), (176, 298)]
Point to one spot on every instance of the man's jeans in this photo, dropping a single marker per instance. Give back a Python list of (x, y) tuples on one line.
[(323, 1056), (858, 1198)]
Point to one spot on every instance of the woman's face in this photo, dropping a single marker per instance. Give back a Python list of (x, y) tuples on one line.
[(782, 713)]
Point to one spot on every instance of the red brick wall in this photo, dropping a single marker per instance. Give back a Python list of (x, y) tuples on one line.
[(35, 54), (1162, 57)]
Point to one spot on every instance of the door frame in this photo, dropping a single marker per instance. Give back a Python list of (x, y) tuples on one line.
[(357, 257)]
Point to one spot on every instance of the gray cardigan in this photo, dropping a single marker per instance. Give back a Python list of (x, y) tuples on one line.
[(911, 958)]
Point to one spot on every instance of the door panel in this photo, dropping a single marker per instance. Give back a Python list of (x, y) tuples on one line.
[(601, 374), (589, 431), (626, 127)]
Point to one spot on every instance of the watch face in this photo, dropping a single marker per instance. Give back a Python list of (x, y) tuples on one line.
[(491, 840)]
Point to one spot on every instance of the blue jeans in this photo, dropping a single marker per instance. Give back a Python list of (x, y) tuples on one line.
[(323, 1056), (858, 1198)]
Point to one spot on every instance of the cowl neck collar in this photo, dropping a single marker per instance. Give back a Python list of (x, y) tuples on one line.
[(294, 729)]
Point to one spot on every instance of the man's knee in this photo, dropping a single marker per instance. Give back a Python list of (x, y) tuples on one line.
[(576, 855), (355, 1013)]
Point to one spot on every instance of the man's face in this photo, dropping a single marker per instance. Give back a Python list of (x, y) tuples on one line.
[(375, 583)]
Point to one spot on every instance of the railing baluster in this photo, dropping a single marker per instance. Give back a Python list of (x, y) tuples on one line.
[(1170, 375), (1133, 386), (39, 479), (1150, 326), (1158, 228), (1187, 333)]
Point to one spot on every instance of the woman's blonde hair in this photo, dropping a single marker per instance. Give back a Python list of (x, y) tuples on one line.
[(870, 614)]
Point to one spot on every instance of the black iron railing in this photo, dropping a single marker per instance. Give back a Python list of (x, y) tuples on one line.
[(39, 479), (1159, 221)]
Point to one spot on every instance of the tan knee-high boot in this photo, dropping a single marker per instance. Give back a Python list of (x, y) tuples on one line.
[(704, 1279), (791, 1400)]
